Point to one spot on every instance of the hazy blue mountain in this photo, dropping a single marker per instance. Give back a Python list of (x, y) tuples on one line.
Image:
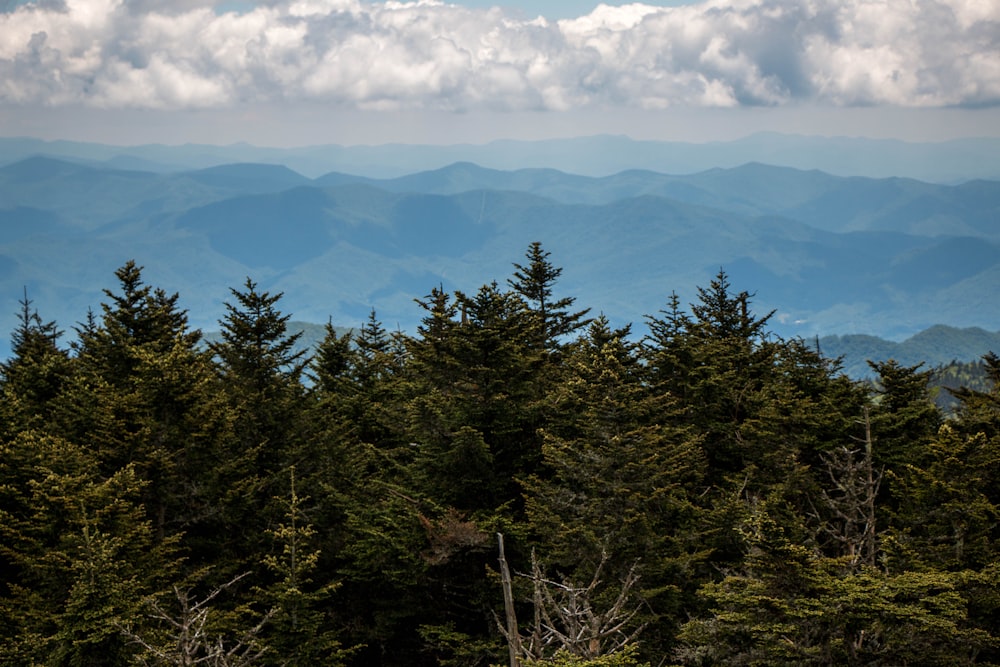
[(933, 347), (818, 199), (942, 162), (887, 257), (250, 178), (92, 196)]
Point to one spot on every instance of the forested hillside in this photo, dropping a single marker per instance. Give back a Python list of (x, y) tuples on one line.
[(832, 255), (936, 346), (709, 494)]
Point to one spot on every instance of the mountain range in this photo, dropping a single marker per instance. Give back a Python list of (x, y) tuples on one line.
[(842, 255), (951, 161)]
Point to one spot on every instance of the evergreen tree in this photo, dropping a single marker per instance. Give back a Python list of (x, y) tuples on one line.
[(34, 374), (979, 411), (472, 406), (720, 362), (904, 417), (534, 281), (83, 553), (142, 394), (260, 374), (619, 475), (299, 631), (356, 375), (788, 605), (137, 317), (947, 504), (256, 352)]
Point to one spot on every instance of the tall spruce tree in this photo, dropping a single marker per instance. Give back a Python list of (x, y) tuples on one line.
[(534, 281), (904, 417), (471, 381), (260, 372), (788, 605), (142, 394), (620, 471), (83, 552), (34, 374)]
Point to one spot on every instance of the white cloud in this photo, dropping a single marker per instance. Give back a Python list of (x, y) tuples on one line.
[(431, 55)]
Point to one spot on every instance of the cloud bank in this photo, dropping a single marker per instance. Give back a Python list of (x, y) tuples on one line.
[(145, 54)]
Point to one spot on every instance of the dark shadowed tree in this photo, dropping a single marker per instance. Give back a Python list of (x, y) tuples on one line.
[(535, 281)]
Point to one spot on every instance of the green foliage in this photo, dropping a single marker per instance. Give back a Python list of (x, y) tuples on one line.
[(948, 511), (298, 631), (618, 474), (791, 606), (534, 282), (979, 410), (472, 386), (35, 373), (903, 416), (81, 553), (740, 500), (458, 649)]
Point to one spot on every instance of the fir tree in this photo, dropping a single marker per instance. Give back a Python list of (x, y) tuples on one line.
[(83, 552), (260, 372), (35, 373), (534, 281), (619, 474)]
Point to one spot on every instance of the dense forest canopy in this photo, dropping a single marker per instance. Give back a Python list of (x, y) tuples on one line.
[(709, 494)]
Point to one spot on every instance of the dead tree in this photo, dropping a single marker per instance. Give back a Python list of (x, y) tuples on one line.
[(851, 501), (189, 641), (566, 617)]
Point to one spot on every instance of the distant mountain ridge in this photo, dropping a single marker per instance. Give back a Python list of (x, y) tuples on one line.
[(940, 162), (886, 257), (936, 346)]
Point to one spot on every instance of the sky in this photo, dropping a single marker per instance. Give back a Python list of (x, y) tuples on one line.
[(300, 72)]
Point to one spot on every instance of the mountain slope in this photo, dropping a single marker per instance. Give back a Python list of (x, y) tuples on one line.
[(821, 200), (936, 346), (340, 245)]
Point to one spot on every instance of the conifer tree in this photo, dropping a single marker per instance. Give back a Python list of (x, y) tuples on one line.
[(472, 387), (299, 631), (948, 509), (257, 352), (139, 316), (83, 552), (979, 411), (534, 281), (34, 374), (904, 417), (142, 394), (619, 475), (788, 605), (356, 375), (719, 360)]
